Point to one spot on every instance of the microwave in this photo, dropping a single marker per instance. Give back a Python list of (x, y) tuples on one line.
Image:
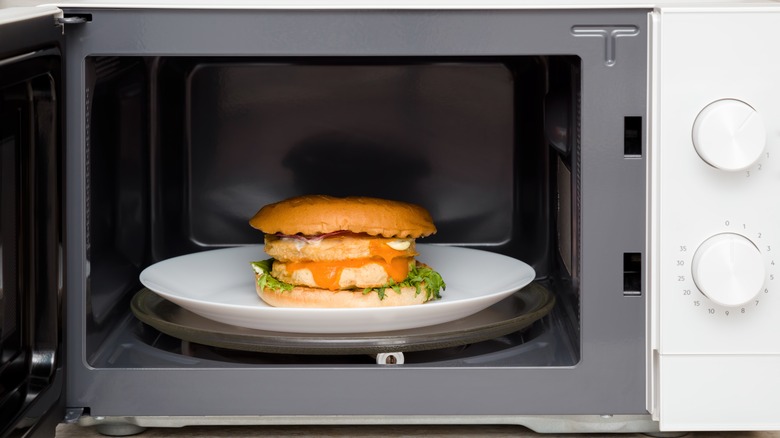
[(627, 152)]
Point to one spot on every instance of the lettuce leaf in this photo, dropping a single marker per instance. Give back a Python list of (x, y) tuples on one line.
[(264, 279), (419, 275)]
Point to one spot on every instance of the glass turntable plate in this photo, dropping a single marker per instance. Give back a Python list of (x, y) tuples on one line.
[(514, 313)]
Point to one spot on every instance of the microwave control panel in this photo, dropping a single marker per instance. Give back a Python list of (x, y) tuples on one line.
[(717, 183), (714, 268)]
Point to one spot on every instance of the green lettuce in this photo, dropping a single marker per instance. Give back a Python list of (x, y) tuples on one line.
[(264, 278)]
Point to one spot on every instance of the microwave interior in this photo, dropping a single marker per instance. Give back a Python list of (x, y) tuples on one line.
[(182, 151)]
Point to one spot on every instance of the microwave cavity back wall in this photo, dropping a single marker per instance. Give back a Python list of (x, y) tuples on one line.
[(539, 134)]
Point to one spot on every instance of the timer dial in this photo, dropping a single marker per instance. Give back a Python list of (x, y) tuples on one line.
[(729, 135), (729, 269)]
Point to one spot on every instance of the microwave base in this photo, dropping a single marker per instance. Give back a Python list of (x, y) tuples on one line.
[(123, 426)]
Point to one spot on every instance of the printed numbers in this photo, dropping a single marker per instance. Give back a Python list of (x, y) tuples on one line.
[(758, 168)]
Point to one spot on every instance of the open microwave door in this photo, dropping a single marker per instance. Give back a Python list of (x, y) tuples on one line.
[(31, 374)]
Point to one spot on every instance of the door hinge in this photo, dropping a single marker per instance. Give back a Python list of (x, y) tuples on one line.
[(74, 19)]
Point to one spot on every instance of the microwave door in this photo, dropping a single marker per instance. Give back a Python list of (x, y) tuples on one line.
[(31, 374)]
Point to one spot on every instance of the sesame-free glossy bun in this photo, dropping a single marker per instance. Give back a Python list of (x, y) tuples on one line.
[(308, 297), (319, 214)]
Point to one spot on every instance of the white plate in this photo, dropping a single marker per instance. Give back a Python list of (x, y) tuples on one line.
[(219, 285)]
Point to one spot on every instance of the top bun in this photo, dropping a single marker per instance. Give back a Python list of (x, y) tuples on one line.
[(319, 214)]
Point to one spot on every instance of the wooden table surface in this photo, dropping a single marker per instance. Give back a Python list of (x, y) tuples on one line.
[(72, 431)]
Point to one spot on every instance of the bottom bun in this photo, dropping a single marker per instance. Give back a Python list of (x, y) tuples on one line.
[(322, 298)]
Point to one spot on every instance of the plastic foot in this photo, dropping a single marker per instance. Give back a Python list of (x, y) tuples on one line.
[(119, 429)]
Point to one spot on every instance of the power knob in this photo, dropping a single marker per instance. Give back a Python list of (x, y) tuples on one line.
[(729, 269), (729, 134)]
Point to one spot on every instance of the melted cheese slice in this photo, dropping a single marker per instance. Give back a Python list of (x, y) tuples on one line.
[(327, 275), (380, 248)]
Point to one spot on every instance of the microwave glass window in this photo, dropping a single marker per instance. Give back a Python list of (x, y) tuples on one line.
[(14, 338), (10, 336), (29, 232)]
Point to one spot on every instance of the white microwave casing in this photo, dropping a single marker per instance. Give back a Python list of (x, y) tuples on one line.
[(710, 366), (711, 359)]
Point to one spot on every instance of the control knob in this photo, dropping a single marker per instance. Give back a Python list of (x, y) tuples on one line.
[(729, 269), (729, 135)]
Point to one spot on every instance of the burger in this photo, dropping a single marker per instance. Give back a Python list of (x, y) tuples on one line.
[(329, 252)]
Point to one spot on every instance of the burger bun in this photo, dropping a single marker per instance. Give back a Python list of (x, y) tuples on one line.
[(313, 215)]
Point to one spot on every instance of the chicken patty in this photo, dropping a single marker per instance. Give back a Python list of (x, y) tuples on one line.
[(346, 274), (341, 247)]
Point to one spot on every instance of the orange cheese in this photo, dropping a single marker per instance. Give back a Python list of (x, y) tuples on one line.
[(327, 274), (380, 248)]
